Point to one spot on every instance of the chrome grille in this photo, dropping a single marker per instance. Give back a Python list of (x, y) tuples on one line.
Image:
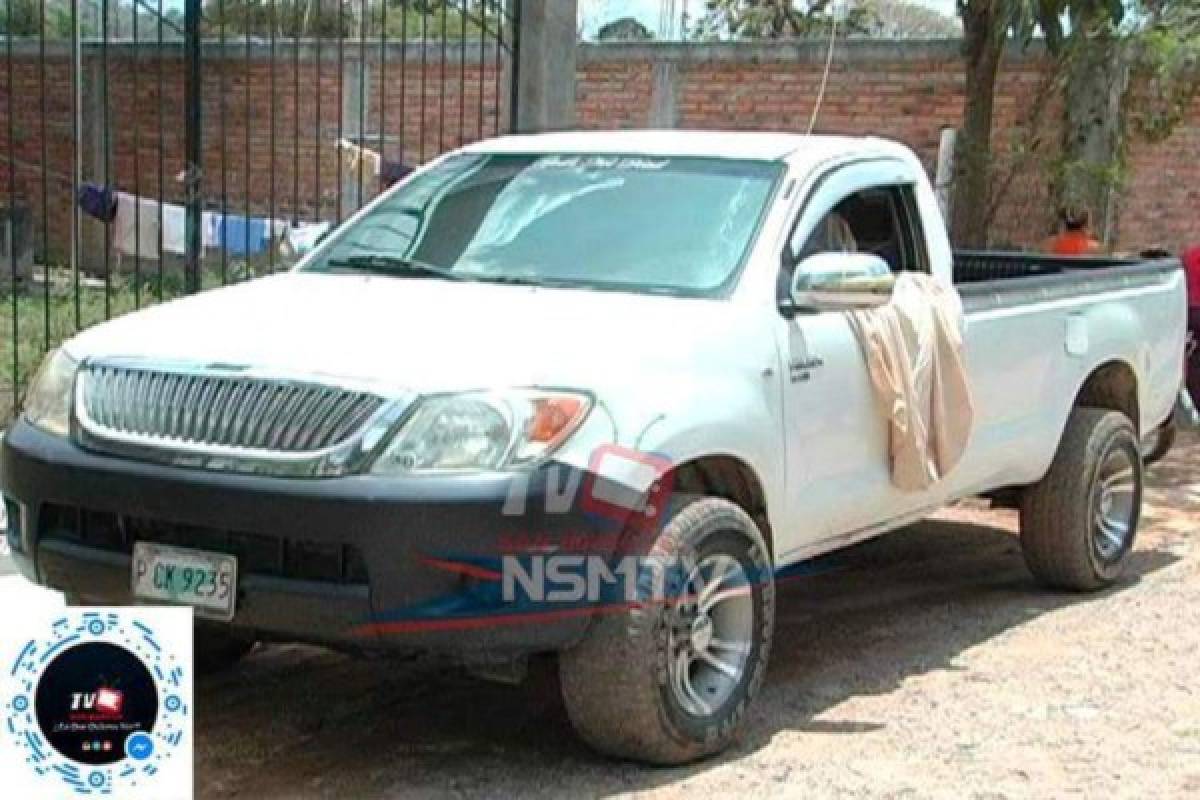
[(223, 411)]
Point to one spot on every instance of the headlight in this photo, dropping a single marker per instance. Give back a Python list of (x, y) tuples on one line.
[(483, 431), (48, 402)]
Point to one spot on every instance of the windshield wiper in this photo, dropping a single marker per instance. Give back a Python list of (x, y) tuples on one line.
[(394, 266), (519, 280)]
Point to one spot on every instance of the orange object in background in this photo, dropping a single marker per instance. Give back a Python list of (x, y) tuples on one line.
[(1074, 243)]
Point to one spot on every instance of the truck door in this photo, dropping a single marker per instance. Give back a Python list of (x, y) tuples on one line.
[(839, 477)]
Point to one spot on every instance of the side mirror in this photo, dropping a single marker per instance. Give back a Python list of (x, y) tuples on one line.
[(841, 281)]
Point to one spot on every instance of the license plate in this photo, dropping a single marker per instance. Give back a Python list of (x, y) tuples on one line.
[(178, 576)]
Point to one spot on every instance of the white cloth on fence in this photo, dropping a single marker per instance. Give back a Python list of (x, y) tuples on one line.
[(174, 229), (913, 347), (210, 228), (301, 239), (135, 230), (359, 161)]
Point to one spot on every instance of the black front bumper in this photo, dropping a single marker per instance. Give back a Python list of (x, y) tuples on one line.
[(356, 561)]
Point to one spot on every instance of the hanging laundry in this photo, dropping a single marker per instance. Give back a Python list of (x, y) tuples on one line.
[(242, 236), (353, 153), (174, 229), (392, 172), (98, 201), (136, 227), (360, 163), (301, 239), (277, 229), (210, 228)]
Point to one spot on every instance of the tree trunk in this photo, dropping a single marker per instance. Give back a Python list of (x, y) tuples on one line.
[(1097, 76), (983, 47)]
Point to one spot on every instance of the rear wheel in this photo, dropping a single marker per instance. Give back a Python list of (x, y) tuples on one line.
[(1079, 522), (669, 680)]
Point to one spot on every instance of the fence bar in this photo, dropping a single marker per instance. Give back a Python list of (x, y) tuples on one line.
[(499, 49), (383, 83), (362, 99), (297, 25), (462, 74), (224, 158), (318, 134), (341, 100), (246, 171), (483, 31), (514, 56), (12, 216), (194, 134), (45, 184), (424, 69), (76, 152), (162, 158), (441, 141), (106, 172), (137, 170), (403, 78), (271, 137)]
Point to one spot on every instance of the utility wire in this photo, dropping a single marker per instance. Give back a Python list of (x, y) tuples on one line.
[(812, 123)]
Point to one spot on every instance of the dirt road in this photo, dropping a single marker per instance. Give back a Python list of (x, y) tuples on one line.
[(929, 665)]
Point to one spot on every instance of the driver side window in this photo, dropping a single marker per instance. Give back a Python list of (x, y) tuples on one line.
[(880, 220)]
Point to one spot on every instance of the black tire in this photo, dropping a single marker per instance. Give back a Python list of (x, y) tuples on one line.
[(1067, 535), (1164, 440), (217, 650), (617, 684)]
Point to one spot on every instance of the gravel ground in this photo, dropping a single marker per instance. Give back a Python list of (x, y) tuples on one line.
[(929, 665)]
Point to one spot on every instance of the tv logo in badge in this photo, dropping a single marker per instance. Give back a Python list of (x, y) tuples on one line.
[(98, 702), (110, 701)]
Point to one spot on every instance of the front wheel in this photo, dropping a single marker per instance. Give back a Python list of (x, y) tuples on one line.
[(217, 650), (669, 679), (1079, 522)]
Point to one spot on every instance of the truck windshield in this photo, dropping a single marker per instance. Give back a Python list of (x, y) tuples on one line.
[(639, 223)]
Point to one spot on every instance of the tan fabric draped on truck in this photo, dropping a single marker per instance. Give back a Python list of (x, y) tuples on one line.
[(913, 348)]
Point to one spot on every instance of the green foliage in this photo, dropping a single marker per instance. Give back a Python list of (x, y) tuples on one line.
[(776, 19), (626, 29), (435, 19), (45, 318), (26, 18), (1168, 58)]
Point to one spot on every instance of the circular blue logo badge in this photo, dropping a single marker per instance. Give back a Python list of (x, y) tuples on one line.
[(97, 703)]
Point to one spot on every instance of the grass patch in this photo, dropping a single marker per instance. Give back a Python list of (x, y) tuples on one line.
[(46, 314)]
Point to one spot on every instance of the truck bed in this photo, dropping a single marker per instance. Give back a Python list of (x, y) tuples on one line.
[(990, 279), (984, 266)]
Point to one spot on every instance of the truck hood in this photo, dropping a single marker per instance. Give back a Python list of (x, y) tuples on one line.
[(422, 334)]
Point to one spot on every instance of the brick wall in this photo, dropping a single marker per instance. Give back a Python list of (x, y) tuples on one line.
[(907, 91), (285, 163)]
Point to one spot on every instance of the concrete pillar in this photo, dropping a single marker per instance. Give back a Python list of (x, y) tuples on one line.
[(356, 83), (548, 39), (93, 167), (663, 89)]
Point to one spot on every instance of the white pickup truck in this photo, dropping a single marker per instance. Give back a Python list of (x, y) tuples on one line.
[(582, 394)]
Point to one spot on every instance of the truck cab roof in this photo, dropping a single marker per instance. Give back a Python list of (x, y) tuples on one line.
[(791, 147)]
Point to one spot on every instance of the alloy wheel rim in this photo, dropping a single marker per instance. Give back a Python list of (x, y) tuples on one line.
[(711, 635), (1113, 505)]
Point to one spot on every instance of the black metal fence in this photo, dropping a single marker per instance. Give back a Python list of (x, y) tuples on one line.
[(150, 151)]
